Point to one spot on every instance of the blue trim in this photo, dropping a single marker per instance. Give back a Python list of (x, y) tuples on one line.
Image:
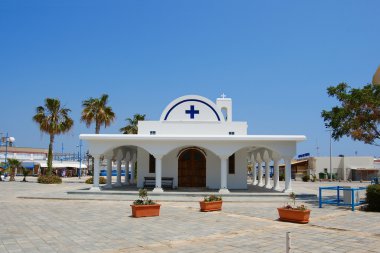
[(188, 100)]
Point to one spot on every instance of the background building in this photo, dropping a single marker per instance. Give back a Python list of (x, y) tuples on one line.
[(354, 168), (36, 158)]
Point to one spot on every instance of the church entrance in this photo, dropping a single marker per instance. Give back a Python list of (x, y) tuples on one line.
[(192, 169)]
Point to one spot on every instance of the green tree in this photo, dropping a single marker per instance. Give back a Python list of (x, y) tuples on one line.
[(13, 165), (357, 116), (53, 120), (132, 126), (96, 110)]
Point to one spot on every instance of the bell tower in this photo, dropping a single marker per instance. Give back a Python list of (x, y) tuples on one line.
[(225, 105)]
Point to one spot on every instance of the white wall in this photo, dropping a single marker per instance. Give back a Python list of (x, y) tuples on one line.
[(239, 179), (341, 165), (170, 169), (213, 171), (192, 128), (142, 167)]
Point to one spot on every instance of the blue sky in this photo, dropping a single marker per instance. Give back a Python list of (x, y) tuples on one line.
[(275, 59)]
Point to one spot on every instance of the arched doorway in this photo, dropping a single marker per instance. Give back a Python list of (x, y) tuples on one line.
[(192, 168)]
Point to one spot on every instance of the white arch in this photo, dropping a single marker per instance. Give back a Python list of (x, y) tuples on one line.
[(213, 111)]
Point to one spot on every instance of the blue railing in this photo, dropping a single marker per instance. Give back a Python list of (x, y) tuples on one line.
[(338, 200)]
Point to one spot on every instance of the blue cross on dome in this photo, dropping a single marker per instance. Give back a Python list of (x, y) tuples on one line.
[(192, 112)]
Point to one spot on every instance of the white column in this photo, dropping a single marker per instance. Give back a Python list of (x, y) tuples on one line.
[(132, 180), (109, 174), (267, 175), (118, 177), (260, 168), (95, 183), (288, 175), (126, 179), (223, 175), (254, 172), (158, 187), (276, 176)]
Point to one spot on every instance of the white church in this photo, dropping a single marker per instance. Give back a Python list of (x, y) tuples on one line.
[(195, 143)]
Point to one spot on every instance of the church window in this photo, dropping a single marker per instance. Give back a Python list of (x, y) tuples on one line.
[(186, 156), (225, 113), (152, 164), (231, 164)]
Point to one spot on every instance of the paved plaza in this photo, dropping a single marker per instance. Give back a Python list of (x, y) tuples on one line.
[(44, 218)]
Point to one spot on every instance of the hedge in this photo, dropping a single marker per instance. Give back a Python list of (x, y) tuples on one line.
[(102, 180), (52, 179)]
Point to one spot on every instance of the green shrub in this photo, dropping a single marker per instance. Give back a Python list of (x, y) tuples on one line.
[(212, 198), (52, 179), (102, 180), (373, 197), (282, 177), (143, 198), (306, 178)]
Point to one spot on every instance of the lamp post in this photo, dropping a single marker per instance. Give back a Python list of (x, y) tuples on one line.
[(7, 141), (88, 161), (330, 155), (62, 152), (80, 158)]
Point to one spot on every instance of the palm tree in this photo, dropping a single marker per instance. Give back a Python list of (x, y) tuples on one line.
[(13, 164), (53, 120), (132, 127), (96, 110)]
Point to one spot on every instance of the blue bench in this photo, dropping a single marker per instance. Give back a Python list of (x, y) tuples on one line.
[(166, 182)]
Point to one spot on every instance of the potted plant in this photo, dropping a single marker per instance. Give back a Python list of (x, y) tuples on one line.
[(145, 207), (211, 203), (293, 213)]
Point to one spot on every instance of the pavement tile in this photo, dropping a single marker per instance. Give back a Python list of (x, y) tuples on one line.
[(106, 226)]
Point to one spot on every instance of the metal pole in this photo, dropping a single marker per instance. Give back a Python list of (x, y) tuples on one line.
[(288, 243), (80, 159), (62, 152), (6, 150), (330, 157)]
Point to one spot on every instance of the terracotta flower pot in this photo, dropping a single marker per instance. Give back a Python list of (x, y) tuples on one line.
[(294, 215), (210, 206), (145, 210)]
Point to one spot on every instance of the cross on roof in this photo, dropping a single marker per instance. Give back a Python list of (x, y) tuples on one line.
[(223, 95), (192, 111)]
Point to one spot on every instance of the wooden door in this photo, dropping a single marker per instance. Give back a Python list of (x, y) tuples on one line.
[(192, 169)]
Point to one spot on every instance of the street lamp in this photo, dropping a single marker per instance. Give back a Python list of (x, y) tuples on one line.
[(8, 140)]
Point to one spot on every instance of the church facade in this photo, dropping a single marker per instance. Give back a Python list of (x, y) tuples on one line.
[(197, 144)]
